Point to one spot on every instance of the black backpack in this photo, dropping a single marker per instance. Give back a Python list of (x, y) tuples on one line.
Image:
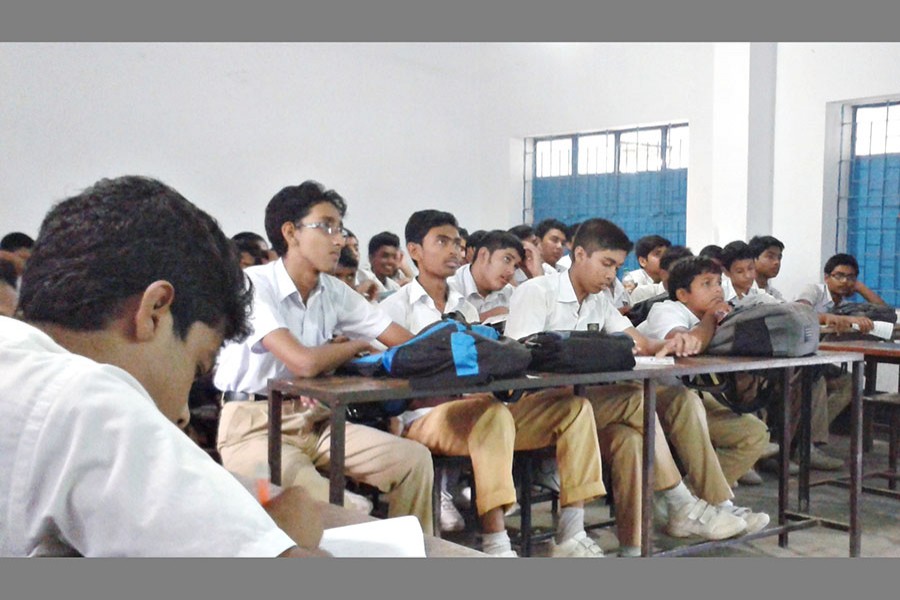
[(876, 312), (640, 310), (579, 351)]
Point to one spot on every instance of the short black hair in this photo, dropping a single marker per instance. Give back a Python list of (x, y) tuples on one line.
[(647, 244), (523, 232), (463, 233), (8, 272), (249, 236), (760, 243), (683, 271), (385, 238), (546, 225), (15, 240), (251, 247), (423, 221), (600, 234), (475, 240), (293, 203), (500, 240), (347, 259), (106, 245), (736, 250), (672, 254), (841, 259), (571, 230), (711, 251), (350, 234)]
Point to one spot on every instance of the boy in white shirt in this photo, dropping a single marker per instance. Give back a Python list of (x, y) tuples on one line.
[(298, 308), (486, 282), (551, 234), (572, 301), (767, 253), (127, 298), (648, 250), (482, 427)]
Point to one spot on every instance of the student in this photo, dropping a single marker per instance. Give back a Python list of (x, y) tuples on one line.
[(485, 283), (713, 253), (533, 265), (16, 248), (645, 296), (466, 252), (551, 235), (648, 251), (297, 308), (252, 249), (8, 295), (768, 253), (347, 270), (472, 242), (384, 263), (128, 296), (566, 261), (695, 307), (482, 427), (739, 274), (571, 301)]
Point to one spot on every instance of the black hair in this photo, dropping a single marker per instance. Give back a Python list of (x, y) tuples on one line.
[(523, 232), (106, 245), (841, 259), (15, 240), (672, 254), (476, 238), (542, 228), (760, 243), (736, 250), (293, 203), (600, 234), (683, 271), (647, 244), (350, 234), (712, 251), (500, 240), (385, 238), (8, 272), (423, 221), (347, 259), (249, 236), (463, 233), (251, 247), (571, 230)]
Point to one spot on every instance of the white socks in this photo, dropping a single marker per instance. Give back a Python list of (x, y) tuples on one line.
[(678, 496), (495, 543), (571, 522)]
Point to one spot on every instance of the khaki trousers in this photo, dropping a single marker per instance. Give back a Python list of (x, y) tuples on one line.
[(619, 416), (488, 431), (715, 445), (398, 467), (830, 396)]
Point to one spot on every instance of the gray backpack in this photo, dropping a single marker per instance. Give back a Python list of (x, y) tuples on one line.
[(785, 329)]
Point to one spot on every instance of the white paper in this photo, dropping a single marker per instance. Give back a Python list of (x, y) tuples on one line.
[(653, 361), (397, 537), (883, 329)]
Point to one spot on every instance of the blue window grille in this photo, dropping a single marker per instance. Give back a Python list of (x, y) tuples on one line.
[(636, 178)]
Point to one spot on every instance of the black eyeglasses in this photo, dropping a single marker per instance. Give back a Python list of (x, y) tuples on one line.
[(842, 277)]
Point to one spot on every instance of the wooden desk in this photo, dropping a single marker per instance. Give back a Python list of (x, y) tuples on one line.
[(338, 516), (339, 392)]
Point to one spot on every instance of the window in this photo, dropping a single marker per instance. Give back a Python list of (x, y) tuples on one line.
[(635, 177), (869, 194)]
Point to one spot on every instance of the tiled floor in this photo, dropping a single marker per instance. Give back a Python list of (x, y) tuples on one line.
[(880, 517)]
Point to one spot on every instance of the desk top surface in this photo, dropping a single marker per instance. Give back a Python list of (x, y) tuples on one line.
[(867, 347), (350, 388)]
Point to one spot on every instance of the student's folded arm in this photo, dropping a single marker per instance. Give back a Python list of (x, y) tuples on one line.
[(680, 343), (394, 335), (868, 293), (305, 361)]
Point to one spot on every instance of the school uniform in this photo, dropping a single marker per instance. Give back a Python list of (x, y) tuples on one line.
[(89, 466), (639, 277), (548, 303), (488, 431), (464, 283), (737, 441), (646, 291), (398, 467), (389, 286)]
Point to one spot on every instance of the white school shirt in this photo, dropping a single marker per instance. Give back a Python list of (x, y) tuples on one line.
[(729, 293), (414, 309), (647, 290), (90, 466), (818, 295), (665, 316), (638, 276), (549, 303), (618, 295), (464, 283), (564, 263), (332, 307), (366, 274), (773, 292)]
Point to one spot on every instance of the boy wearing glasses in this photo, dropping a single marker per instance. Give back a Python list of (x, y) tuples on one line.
[(841, 273), (297, 309)]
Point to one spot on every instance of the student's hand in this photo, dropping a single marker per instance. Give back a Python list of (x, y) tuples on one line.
[(840, 323), (719, 310), (500, 310), (296, 513), (865, 324), (680, 344), (368, 289), (297, 552), (17, 261), (629, 285), (534, 263)]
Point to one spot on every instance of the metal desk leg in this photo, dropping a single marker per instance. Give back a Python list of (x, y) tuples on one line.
[(336, 468), (856, 414), (805, 441), (276, 399), (871, 385), (784, 454), (647, 467)]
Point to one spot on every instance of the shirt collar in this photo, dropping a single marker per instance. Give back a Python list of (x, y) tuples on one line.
[(418, 294), (285, 286), (566, 290)]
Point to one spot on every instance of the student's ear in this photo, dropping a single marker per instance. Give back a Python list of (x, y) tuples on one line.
[(642, 262), (415, 251), (579, 254), (287, 232), (482, 253), (682, 295), (154, 304)]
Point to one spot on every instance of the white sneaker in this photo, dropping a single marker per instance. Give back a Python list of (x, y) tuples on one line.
[(577, 546), (755, 521), (464, 499), (451, 520), (751, 477), (547, 474), (770, 450), (504, 554), (702, 519), (514, 509), (359, 503), (822, 462)]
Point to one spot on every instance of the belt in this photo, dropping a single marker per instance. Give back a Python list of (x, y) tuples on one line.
[(242, 396)]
